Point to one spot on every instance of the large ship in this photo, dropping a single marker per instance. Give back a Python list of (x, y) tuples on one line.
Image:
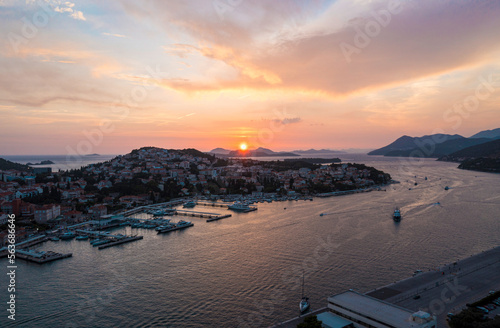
[(397, 215)]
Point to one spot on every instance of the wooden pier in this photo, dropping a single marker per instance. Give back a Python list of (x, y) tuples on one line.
[(41, 258), (219, 218), (119, 242), (207, 215), (213, 204)]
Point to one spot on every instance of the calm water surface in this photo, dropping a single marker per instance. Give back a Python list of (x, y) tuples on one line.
[(246, 270)]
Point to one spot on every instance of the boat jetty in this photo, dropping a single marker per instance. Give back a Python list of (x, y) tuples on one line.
[(103, 240), (23, 251), (40, 257)]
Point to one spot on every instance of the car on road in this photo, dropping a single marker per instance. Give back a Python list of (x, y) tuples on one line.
[(416, 297), (483, 309), (490, 307)]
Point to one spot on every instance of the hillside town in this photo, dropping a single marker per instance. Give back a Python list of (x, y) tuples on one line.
[(150, 175)]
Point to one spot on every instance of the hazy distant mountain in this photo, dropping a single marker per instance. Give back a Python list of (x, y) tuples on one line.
[(319, 151), (492, 134), (259, 152), (219, 150), (438, 149), (407, 143), (356, 150)]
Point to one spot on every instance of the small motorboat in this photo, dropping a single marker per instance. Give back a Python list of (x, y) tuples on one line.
[(304, 302)]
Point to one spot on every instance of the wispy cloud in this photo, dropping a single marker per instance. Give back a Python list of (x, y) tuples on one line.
[(78, 15), (67, 7), (114, 34), (311, 60), (184, 116)]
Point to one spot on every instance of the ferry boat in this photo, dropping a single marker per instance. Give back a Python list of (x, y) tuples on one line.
[(397, 215), (67, 235), (238, 206), (189, 204)]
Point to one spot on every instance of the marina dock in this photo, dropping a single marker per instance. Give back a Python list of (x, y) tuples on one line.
[(213, 204), (40, 257), (199, 214), (32, 241), (219, 218), (121, 241)]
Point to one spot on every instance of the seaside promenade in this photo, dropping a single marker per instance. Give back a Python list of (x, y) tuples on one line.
[(445, 290)]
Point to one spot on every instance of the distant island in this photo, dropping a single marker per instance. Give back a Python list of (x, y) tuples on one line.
[(314, 160), (41, 163), (435, 145), (259, 152), (319, 151), (484, 157)]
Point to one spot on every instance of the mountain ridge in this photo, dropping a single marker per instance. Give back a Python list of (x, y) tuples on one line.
[(435, 145)]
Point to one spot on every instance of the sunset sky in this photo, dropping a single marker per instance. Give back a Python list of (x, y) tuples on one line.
[(110, 76)]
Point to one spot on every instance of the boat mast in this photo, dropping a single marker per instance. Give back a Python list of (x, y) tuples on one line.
[(302, 284)]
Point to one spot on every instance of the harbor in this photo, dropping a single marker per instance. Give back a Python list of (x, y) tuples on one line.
[(95, 231)]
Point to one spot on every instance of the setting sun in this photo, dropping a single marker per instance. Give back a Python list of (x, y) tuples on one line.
[(243, 146)]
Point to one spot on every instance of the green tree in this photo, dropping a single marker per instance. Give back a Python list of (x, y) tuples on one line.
[(310, 322)]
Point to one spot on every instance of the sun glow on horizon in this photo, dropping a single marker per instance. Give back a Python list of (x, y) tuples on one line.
[(243, 146)]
